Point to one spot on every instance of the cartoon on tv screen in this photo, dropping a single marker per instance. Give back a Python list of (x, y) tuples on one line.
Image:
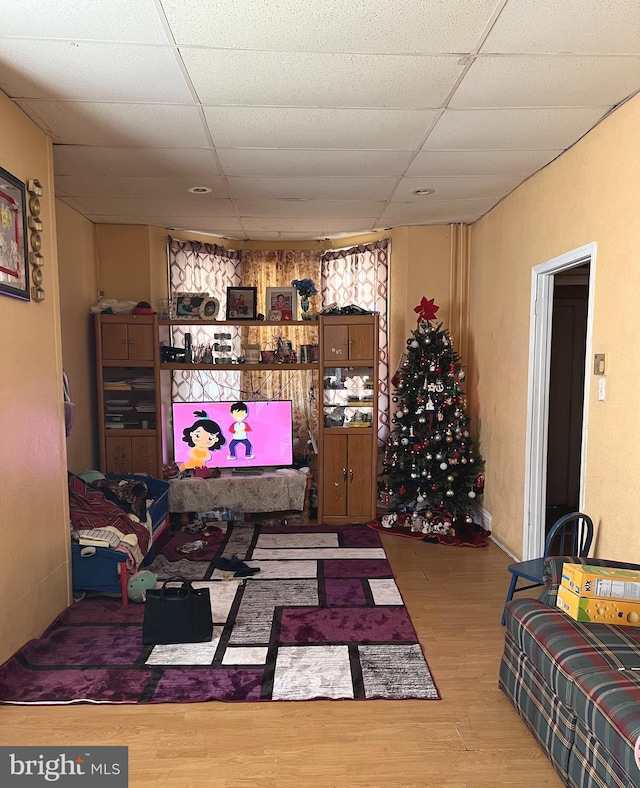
[(232, 434)]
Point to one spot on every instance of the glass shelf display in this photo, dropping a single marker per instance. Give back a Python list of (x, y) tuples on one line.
[(348, 397)]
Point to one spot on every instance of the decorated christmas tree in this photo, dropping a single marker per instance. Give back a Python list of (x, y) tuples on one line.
[(431, 469)]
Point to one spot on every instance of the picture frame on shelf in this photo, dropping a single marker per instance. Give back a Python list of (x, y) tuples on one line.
[(188, 305), (209, 308), (242, 303), (14, 271), (283, 300)]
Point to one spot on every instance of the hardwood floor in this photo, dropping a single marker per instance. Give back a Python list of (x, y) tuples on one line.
[(472, 738)]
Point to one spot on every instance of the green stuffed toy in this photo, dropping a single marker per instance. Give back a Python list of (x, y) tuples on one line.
[(139, 584)]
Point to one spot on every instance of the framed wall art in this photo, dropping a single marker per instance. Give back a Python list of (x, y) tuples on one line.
[(14, 272), (241, 303), (282, 303)]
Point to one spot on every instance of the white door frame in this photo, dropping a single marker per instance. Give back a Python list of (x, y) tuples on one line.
[(542, 285)]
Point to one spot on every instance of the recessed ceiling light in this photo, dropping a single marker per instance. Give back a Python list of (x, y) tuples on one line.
[(423, 192), (200, 190)]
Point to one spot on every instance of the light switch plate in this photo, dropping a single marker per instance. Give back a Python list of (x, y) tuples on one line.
[(599, 364)]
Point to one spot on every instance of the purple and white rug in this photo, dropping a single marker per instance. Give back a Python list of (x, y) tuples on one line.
[(322, 619)]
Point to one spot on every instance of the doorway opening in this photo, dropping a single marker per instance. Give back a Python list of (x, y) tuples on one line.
[(559, 365)]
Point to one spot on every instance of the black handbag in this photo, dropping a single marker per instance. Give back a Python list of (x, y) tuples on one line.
[(177, 614)]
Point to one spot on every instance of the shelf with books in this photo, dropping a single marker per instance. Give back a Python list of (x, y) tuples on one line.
[(127, 388)]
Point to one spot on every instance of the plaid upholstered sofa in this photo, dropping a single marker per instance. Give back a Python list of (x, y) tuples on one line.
[(575, 685)]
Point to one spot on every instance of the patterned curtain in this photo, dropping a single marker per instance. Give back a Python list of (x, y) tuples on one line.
[(264, 269), (359, 276), (196, 267)]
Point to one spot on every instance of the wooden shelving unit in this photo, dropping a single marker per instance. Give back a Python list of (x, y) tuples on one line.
[(348, 452), (128, 348)]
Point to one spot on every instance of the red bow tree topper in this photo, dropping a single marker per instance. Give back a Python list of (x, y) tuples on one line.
[(426, 309)]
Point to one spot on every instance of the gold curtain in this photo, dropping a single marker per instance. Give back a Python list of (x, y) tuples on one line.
[(262, 269)]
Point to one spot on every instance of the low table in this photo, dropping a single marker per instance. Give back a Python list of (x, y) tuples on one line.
[(273, 491)]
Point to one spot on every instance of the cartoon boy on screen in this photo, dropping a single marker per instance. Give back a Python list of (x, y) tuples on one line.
[(239, 430), (203, 436)]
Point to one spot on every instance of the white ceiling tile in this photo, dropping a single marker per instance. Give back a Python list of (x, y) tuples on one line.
[(308, 208), (189, 205), (145, 125), (320, 79), (136, 187), (320, 226), (269, 127), (89, 71), (330, 25), (279, 235), (135, 162), (500, 163), (538, 81), (576, 26), (454, 188), (457, 219), (442, 210), (312, 188), (345, 95), (224, 225), (98, 20), (308, 163), (513, 129)]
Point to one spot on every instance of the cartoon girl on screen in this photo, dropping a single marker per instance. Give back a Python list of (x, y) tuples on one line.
[(239, 430), (203, 436)]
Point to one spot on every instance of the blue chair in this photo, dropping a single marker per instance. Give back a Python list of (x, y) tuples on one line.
[(570, 535)]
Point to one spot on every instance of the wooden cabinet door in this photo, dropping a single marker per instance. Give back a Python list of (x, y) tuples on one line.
[(360, 489), (336, 344), (143, 455), (361, 342), (334, 477), (115, 342), (141, 342), (118, 454)]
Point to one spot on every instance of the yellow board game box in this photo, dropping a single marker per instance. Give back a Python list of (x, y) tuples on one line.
[(598, 611), (601, 582)]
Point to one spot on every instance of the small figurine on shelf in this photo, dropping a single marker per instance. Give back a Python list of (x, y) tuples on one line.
[(306, 288)]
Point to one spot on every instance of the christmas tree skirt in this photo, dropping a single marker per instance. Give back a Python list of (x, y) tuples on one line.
[(464, 535), (395, 530)]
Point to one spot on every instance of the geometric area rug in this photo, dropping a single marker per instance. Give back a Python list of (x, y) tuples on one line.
[(323, 619)]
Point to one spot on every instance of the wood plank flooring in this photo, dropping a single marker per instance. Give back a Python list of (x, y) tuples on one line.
[(473, 738)]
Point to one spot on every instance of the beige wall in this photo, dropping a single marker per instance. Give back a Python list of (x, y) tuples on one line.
[(124, 256), (590, 194), (34, 583), (78, 289)]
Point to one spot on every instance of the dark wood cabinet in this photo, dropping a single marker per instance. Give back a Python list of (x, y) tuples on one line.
[(128, 341), (348, 422)]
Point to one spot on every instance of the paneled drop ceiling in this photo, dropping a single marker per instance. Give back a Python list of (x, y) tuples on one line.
[(310, 119)]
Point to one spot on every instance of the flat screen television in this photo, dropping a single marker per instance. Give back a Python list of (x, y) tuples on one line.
[(233, 434)]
